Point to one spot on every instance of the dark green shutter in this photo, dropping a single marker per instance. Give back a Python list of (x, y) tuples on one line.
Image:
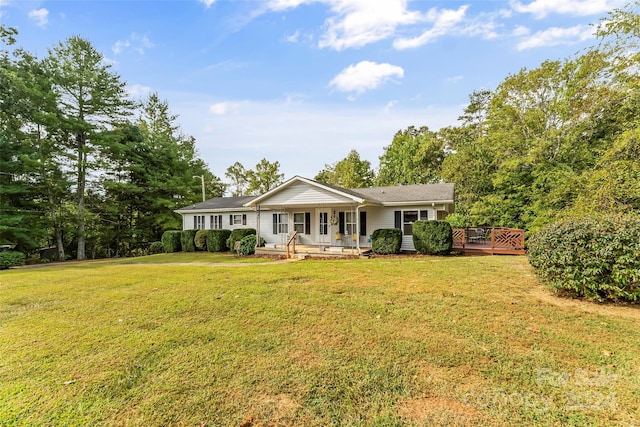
[(341, 222), (307, 223), (275, 223), (244, 219), (398, 219), (230, 219), (363, 223)]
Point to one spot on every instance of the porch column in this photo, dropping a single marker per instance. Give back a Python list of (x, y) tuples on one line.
[(257, 226), (357, 233)]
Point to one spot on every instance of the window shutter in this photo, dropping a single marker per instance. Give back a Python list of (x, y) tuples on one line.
[(341, 222), (230, 219), (244, 219), (398, 219), (195, 222), (363, 223), (275, 223), (219, 221), (424, 215), (307, 223)]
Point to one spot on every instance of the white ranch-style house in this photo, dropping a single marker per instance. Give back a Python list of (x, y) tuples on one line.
[(324, 215)]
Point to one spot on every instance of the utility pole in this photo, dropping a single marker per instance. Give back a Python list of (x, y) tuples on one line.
[(202, 179)]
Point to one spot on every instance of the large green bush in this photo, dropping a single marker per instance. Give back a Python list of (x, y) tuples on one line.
[(200, 240), (248, 245), (597, 258), (237, 235), (432, 237), (187, 240), (217, 240), (171, 241), (386, 241), (11, 259)]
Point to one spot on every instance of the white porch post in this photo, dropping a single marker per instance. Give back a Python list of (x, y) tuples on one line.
[(257, 226), (357, 230)]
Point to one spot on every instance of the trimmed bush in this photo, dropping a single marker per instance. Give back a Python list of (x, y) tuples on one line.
[(386, 241), (248, 245), (10, 259), (171, 241), (217, 240), (237, 235), (156, 248), (432, 237), (200, 240), (187, 240), (597, 258)]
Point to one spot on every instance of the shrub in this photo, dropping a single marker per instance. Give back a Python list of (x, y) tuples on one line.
[(432, 237), (171, 241), (156, 248), (217, 240), (597, 257), (248, 245), (187, 240), (386, 241), (10, 259), (237, 235), (200, 240)]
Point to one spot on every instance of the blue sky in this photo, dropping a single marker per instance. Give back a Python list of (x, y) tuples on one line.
[(305, 81)]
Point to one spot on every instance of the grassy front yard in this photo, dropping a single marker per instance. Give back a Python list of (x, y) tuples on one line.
[(388, 341)]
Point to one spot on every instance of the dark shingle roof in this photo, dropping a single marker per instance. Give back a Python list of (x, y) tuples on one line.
[(220, 203)]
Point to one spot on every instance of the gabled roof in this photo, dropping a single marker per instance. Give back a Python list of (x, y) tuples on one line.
[(219, 203), (350, 194)]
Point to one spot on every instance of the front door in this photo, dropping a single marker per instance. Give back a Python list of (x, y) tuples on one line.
[(323, 230)]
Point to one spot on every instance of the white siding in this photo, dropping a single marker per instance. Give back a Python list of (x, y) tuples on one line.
[(385, 218), (187, 223), (303, 194)]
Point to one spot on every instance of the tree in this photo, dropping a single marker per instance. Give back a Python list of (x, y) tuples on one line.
[(414, 156), (350, 172), (265, 177), (92, 101), (238, 176)]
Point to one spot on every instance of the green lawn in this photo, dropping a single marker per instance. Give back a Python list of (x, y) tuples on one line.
[(378, 342)]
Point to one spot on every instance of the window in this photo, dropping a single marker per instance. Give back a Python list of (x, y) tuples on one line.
[(298, 222), (350, 223), (238, 219), (280, 223), (216, 222), (324, 218), (198, 222), (408, 218)]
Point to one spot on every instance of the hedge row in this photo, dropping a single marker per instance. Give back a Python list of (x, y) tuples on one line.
[(596, 258), (171, 241), (248, 245), (217, 240)]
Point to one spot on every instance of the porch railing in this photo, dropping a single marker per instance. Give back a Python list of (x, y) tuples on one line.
[(291, 244), (503, 241)]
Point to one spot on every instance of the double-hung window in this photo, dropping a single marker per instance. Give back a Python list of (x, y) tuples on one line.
[(198, 222), (280, 223), (216, 222)]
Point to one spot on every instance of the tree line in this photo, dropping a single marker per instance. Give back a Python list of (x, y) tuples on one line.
[(557, 141)]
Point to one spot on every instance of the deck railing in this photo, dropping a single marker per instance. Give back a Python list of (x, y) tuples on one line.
[(502, 241), (291, 242)]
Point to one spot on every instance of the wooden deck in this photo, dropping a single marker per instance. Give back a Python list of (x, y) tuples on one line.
[(497, 241)]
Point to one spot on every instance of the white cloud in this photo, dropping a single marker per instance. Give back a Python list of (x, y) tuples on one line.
[(520, 31), (223, 108), (364, 76), (138, 43), (356, 23), (207, 3), (557, 36), (542, 8), (293, 38), (137, 90), (444, 22), (40, 17), (455, 79)]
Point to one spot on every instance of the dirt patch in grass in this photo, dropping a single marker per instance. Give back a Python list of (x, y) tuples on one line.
[(442, 411), (628, 312)]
